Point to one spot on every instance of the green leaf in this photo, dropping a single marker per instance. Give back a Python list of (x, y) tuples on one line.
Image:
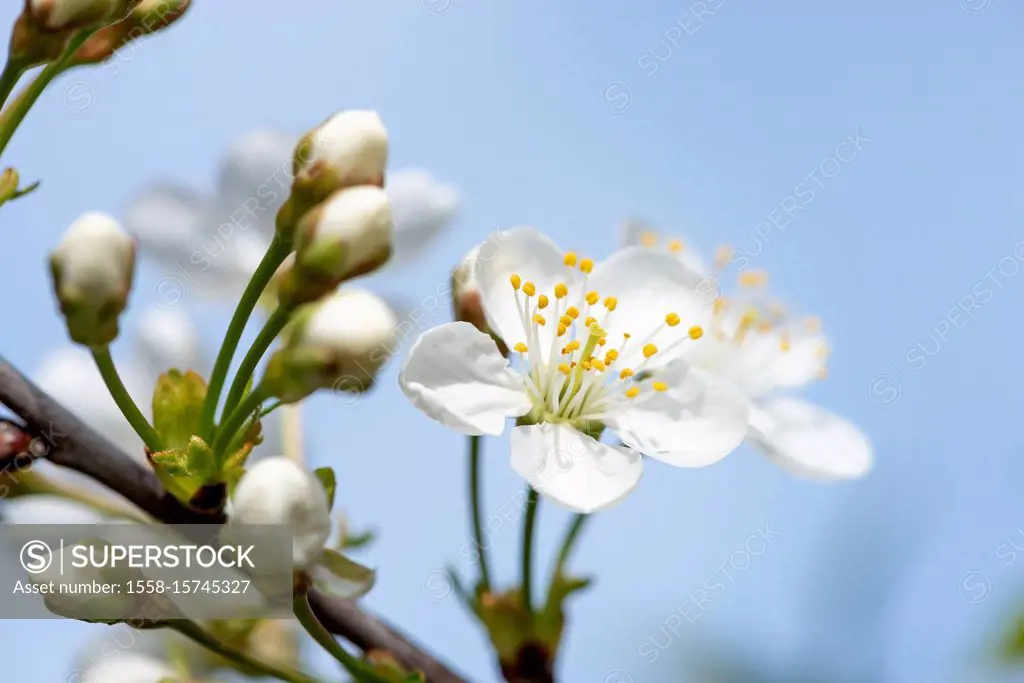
[(177, 406), (173, 462), (329, 482), (344, 578), (201, 461)]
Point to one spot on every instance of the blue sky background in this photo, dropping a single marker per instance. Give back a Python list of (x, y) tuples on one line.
[(545, 113)]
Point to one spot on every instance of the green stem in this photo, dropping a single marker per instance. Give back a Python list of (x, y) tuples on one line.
[(271, 408), (9, 77), (474, 495), (528, 524), (230, 426), (275, 323), (568, 542), (356, 668), (124, 400), (200, 635), (272, 260), (12, 117)]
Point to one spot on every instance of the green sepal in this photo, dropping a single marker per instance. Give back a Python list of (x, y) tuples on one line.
[(339, 576), (177, 406), (329, 482)]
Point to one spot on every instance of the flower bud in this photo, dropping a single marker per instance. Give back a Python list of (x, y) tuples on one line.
[(65, 15), (92, 270), (149, 16), (467, 304), (347, 236), (350, 148), (63, 570), (278, 491), (337, 343)]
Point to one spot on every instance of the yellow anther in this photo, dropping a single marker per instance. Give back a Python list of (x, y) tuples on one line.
[(592, 298), (572, 312), (648, 238), (564, 368), (650, 350), (765, 326), (602, 341), (565, 320), (776, 309), (598, 364), (613, 354), (823, 351), (570, 258), (516, 281), (813, 324), (672, 319), (610, 303), (659, 386), (632, 392), (574, 345), (784, 342), (539, 319), (529, 288), (586, 265), (562, 329), (723, 254), (696, 332), (748, 317), (590, 320), (520, 347), (823, 373), (675, 246), (753, 278), (586, 364), (561, 290), (626, 335), (626, 373), (721, 303), (542, 301)]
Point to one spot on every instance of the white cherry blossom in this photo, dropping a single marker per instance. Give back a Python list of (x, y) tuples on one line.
[(756, 344), (585, 338)]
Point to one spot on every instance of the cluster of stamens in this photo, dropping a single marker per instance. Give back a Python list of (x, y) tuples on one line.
[(580, 377), (773, 320)]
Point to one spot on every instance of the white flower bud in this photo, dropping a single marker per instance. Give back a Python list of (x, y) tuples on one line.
[(278, 491), (467, 303), (92, 270), (354, 144), (338, 343), (129, 667), (347, 236), (61, 15), (348, 149)]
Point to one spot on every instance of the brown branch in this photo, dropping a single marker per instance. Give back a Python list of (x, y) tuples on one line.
[(73, 444)]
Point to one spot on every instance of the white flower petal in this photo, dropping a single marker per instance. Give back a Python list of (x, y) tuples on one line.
[(168, 339), (698, 421), (47, 509), (71, 378), (129, 667), (255, 178), (809, 440), (422, 207), (573, 469), (640, 233), (456, 376), (169, 221), (649, 284), (535, 258)]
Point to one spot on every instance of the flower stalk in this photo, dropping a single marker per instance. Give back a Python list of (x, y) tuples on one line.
[(131, 412)]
